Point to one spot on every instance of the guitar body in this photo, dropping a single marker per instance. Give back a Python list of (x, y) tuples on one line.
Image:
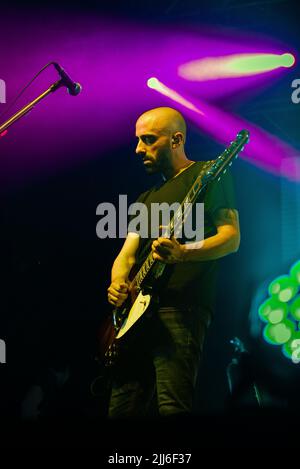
[(117, 330), (137, 309)]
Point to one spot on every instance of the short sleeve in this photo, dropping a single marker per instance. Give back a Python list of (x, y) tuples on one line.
[(220, 194)]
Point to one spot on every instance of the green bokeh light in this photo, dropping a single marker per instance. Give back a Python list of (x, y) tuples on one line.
[(272, 310), (295, 272), (284, 288), (279, 334), (295, 308), (281, 310), (291, 349)]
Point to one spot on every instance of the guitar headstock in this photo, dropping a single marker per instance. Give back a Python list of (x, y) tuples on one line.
[(219, 166)]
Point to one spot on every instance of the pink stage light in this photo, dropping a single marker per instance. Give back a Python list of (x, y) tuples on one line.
[(264, 149)]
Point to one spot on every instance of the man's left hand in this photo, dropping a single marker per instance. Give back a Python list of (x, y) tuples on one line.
[(168, 250)]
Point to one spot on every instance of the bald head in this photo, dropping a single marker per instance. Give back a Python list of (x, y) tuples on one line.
[(165, 120), (161, 136)]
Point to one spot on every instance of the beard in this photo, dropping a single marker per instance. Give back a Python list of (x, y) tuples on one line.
[(160, 164)]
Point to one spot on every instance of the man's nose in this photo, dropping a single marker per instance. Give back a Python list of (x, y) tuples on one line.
[(140, 150)]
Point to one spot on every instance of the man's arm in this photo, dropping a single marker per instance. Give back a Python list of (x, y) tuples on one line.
[(225, 241), (118, 289)]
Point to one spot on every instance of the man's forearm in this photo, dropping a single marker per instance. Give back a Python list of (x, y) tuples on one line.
[(121, 268), (214, 247)]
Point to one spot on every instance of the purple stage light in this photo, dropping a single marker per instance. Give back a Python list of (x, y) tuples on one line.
[(264, 150), (112, 59)]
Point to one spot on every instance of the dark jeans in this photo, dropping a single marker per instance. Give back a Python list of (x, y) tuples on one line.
[(159, 373)]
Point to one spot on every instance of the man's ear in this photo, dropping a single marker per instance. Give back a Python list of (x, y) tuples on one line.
[(177, 138)]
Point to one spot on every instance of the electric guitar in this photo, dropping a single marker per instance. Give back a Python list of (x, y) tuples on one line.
[(144, 284)]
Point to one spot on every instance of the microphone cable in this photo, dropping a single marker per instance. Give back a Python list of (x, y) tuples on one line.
[(25, 88)]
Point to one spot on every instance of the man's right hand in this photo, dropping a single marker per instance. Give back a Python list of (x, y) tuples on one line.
[(117, 292)]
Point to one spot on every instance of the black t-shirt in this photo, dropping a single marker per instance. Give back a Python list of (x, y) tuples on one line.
[(189, 283)]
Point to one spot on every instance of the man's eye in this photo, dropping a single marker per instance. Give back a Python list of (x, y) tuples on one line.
[(149, 140)]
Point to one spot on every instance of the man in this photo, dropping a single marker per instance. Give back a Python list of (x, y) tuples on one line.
[(164, 369)]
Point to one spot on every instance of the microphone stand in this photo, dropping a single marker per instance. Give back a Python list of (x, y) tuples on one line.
[(29, 107)]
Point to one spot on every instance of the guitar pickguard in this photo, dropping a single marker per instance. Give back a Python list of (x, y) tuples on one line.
[(137, 310)]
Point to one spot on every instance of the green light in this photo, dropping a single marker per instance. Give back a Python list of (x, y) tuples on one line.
[(258, 63), (279, 334), (234, 65), (295, 308), (284, 288), (282, 313), (291, 349), (153, 82), (272, 310), (295, 272), (276, 316), (288, 60)]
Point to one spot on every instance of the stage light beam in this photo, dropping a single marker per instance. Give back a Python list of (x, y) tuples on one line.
[(157, 85), (264, 150), (234, 66)]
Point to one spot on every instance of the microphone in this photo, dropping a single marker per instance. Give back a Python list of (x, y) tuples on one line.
[(73, 88)]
